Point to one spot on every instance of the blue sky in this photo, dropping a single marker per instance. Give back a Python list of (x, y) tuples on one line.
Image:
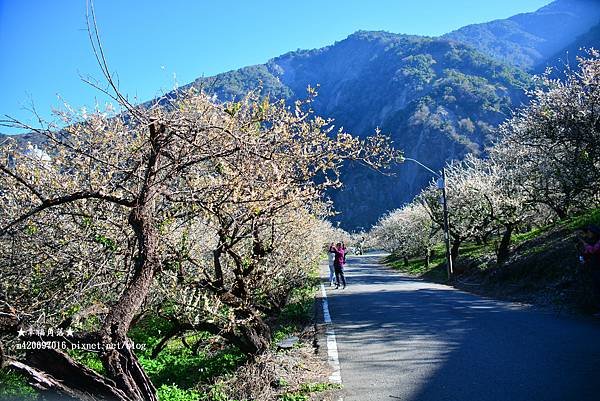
[(154, 45)]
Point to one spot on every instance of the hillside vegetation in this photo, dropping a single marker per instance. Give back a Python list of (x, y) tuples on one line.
[(160, 253), (438, 100), (543, 268), (194, 220), (511, 215)]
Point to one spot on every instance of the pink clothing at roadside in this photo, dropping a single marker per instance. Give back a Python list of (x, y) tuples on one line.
[(339, 256), (591, 249)]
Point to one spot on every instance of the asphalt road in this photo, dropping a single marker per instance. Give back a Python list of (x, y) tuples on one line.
[(400, 338)]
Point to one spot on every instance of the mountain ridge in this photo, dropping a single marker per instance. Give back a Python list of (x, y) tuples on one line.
[(528, 40), (438, 98)]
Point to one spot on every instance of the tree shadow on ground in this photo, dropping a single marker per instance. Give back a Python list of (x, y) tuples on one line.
[(422, 341)]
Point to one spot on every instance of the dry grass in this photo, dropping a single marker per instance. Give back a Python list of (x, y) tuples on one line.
[(281, 375)]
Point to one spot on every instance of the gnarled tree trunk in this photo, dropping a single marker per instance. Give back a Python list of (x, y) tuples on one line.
[(117, 357), (504, 247), (54, 372), (126, 379), (454, 251), (254, 338)]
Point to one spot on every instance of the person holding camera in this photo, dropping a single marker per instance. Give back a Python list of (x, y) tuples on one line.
[(339, 252)]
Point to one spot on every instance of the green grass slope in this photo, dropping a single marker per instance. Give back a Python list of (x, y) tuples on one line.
[(543, 268)]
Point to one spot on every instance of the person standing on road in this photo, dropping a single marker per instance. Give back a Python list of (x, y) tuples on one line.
[(359, 246), (591, 256), (331, 257), (338, 264)]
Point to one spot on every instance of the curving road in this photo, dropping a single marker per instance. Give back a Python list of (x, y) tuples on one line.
[(400, 338)]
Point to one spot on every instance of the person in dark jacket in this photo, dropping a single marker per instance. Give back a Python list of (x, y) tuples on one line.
[(590, 239), (338, 264)]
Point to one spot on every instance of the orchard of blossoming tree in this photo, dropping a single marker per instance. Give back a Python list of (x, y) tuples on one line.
[(544, 167)]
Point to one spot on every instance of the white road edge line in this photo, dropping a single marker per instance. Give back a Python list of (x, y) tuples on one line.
[(332, 351)]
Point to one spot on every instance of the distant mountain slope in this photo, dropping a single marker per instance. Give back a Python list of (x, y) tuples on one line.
[(438, 99), (568, 55), (530, 39)]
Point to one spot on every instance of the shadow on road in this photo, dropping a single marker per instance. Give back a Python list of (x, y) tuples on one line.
[(403, 337)]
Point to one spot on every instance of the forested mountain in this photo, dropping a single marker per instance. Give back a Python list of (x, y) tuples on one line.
[(529, 40), (437, 99)]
